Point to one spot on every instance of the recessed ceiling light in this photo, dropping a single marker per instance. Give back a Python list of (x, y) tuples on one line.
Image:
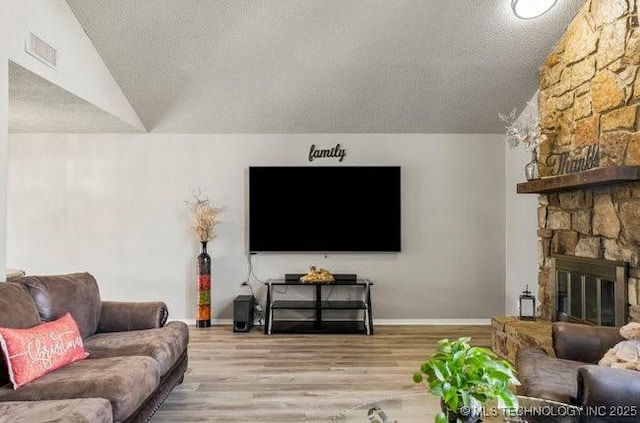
[(529, 9)]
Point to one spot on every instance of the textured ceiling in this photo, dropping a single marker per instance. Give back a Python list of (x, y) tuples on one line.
[(37, 105), (322, 66)]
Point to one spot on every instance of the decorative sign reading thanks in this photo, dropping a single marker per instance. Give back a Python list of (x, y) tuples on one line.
[(560, 163), (316, 153)]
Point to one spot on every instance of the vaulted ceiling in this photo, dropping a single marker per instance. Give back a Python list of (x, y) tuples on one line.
[(322, 66), (38, 105)]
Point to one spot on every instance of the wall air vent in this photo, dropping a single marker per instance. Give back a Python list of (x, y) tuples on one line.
[(42, 51)]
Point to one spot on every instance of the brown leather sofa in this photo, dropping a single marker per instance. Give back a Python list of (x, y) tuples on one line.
[(573, 376), (135, 357)]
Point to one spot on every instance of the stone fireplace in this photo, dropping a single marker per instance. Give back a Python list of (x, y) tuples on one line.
[(589, 191), (588, 103), (601, 225)]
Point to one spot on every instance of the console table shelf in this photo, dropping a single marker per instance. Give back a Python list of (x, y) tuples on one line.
[(328, 327), (318, 323), (312, 305)]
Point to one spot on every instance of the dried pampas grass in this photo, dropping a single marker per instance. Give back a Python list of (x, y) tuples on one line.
[(205, 216)]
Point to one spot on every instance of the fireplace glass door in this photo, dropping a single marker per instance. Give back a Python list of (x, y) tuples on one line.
[(590, 291), (586, 298)]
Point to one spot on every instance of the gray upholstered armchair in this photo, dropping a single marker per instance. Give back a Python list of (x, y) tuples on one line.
[(573, 376)]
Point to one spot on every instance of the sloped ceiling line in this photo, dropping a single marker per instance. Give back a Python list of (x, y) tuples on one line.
[(308, 66)]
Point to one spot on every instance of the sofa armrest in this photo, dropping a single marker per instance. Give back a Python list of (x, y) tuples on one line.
[(606, 386), (124, 316), (578, 342)]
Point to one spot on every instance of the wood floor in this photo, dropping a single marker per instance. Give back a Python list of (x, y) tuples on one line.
[(250, 377)]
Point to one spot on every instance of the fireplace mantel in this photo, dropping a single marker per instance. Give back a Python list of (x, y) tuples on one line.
[(589, 178)]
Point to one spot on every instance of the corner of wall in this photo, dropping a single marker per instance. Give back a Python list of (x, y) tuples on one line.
[(4, 149), (521, 240)]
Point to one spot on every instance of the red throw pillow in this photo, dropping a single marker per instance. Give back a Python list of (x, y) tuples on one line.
[(34, 352)]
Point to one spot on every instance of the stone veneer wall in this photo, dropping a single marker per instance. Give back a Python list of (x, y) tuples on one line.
[(589, 94), (595, 223), (589, 90)]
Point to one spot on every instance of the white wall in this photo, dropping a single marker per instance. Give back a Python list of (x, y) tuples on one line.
[(113, 205), (521, 225), (4, 130), (81, 70)]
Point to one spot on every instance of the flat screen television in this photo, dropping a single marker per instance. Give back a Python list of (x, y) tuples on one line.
[(324, 209)]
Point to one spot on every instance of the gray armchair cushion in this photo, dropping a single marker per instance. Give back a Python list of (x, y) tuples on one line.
[(125, 381), (18, 311), (578, 342), (608, 386), (85, 410), (164, 344), (546, 377), (76, 293)]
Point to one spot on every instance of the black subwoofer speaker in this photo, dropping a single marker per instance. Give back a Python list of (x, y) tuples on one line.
[(243, 313)]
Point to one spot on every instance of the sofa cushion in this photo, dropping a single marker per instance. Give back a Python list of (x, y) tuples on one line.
[(84, 410), (18, 311), (164, 344), (33, 352), (125, 381), (75, 293), (546, 377)]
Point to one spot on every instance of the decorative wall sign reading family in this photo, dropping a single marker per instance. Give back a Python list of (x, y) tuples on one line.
[(560, 163), (317, 153)]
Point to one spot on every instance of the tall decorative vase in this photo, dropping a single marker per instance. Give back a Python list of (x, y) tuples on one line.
[(531, 168), (203, 317)]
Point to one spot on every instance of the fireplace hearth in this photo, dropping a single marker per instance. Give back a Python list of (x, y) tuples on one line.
[(590, 291)]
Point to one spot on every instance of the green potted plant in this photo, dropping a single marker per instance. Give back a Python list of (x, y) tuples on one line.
[(466, 378)]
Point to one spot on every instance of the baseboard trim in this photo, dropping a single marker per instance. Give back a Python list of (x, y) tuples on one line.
[(381, 322), (432, 322), (214, 322)]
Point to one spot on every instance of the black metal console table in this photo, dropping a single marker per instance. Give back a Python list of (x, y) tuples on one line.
[(318, 305)]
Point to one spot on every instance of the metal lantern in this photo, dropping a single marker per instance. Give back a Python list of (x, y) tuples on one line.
[(527, 305)]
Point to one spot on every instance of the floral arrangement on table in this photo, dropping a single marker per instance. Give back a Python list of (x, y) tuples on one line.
[(205, 216), (525, 131)]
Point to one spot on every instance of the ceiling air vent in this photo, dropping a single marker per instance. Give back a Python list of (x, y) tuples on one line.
[(42, 51)]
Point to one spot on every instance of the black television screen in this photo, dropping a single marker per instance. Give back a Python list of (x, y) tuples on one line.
[(324, 209)]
